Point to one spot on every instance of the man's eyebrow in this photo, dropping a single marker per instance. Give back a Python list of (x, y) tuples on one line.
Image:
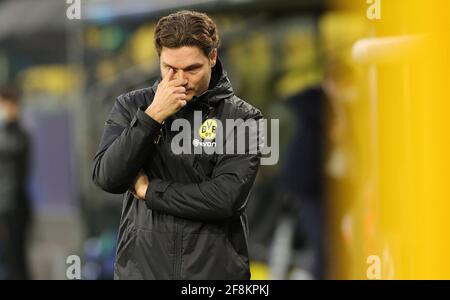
[(194, 66), (190, 67), (167, 65)]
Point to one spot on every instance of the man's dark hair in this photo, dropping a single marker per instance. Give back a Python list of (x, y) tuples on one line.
[(9, 93), (186, 28)]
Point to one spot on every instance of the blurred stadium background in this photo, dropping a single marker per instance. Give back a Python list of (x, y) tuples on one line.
[(384, 188)]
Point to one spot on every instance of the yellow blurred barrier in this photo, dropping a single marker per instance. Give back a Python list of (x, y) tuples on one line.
[(395, 221)]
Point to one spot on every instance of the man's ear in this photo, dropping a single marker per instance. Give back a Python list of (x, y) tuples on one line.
[(213, 57)]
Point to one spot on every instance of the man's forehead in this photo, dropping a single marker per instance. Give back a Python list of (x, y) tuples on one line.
[(182, 57)]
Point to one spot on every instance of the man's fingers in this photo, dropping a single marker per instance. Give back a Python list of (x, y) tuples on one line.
[(179, 90), (180, 96), (169, 75), (182, 103), (178, 82)]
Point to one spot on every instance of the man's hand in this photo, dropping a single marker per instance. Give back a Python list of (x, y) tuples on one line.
[(140, 186), (170, 97)]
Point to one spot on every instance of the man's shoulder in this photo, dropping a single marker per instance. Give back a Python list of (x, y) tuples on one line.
[(241, 109), (136, 98)]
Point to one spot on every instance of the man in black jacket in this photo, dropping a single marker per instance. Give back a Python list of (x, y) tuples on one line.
[(15, 208), (183, 214)]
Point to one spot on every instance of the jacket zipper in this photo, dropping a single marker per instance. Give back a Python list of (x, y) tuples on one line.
[(160, 133), (178, 251)]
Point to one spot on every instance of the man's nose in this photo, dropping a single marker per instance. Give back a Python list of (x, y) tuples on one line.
[(181, 74)]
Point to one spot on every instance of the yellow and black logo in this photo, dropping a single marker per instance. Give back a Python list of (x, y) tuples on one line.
[(208, 129)]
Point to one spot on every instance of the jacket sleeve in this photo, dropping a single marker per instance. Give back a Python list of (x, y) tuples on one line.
[(124, 146), (223, 196)]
